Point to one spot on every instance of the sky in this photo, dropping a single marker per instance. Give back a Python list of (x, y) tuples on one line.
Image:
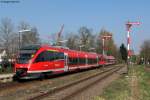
[(49, 15)]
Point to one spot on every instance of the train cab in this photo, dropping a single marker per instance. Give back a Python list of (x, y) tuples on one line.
[(37, 61)]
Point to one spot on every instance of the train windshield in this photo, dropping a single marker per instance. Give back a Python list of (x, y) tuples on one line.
[(25, 56), (26, 53)]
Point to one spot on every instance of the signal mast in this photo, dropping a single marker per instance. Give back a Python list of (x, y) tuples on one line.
[(128, 26), (105, 37)]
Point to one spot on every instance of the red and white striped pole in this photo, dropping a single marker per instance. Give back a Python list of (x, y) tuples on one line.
[(128, 39), (129, 25)]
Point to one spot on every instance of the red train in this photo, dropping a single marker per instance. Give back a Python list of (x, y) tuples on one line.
[(38, 61)]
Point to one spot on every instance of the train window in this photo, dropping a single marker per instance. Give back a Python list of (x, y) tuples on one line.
[(70, 61), (92, 61), (82, 61), (45, 56), (61, 55), (49, 56), (58, 55), (73, 61)]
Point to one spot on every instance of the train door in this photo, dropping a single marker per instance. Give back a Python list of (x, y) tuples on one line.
[(66, 62), (86, 60), (97, 59)]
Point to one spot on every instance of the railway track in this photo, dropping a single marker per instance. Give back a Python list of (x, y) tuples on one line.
[(30, 89), (7, 85), (71, 89), (14, 84)]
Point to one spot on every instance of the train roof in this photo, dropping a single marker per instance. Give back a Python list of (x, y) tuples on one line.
[(72, 52), (63, 49)]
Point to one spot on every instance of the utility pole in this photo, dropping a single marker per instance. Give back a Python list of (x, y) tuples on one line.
[(128, 26)]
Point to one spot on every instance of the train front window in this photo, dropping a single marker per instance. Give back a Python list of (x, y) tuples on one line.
[(24, 58), (26, 53)]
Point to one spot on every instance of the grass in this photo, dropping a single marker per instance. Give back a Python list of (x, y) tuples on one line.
[(144, 82), (118, 90), (122, 89)]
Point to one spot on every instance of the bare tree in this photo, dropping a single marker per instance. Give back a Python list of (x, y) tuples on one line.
[(73, 41), (29, 37), (85, 35), (145, 51), (14, 44), (7, 34), (24, 25), (98, 44)]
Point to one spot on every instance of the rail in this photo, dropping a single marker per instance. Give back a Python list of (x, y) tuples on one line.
[(69, 85)]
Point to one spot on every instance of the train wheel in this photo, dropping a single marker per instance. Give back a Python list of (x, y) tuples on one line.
[(15, 77)]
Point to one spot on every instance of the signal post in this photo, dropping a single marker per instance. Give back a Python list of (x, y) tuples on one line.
[(128, 26), (105, 37)]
